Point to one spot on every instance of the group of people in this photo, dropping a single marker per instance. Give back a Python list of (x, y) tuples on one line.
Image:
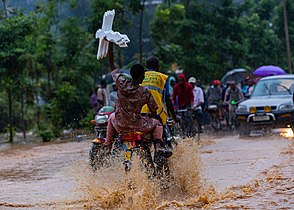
[(100, 97), (145, 101)]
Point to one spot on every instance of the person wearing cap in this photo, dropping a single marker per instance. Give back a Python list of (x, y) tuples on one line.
[(198, 102), (214, 95)]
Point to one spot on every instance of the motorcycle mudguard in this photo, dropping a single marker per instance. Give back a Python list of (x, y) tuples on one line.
[(98, 140)]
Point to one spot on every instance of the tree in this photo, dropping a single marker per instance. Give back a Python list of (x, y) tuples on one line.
[(13, 33)]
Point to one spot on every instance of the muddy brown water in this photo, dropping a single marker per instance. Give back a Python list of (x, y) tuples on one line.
[(221, 172)]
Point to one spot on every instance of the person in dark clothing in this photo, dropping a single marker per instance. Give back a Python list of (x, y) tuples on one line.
[(183, 93), (93, 101)]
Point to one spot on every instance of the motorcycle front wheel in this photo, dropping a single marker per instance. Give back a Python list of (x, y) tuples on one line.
[(96, 156)]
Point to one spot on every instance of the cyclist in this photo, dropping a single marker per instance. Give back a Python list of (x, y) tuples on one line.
[(233, 96), (198, 102), (214, 95)]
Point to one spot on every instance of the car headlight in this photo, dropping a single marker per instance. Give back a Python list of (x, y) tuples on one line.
[(242, 108), (287, 106), (100, 119)]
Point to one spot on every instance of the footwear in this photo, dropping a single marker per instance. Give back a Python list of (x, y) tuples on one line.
[(127, 165)]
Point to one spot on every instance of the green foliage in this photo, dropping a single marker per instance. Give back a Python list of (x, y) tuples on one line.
[(50, 57), (85, 122), (208, 39), (46, 132)]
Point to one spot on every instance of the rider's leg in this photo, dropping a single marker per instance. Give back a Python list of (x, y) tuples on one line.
[(189, 122), (158, 141), (220, 113), (231, 114), (199, 117), (146, 159), (111, 130)]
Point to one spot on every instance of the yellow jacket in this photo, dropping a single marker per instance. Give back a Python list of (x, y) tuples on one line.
[(155, 82)]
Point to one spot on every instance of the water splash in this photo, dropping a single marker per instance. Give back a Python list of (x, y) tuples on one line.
[(112, 187)]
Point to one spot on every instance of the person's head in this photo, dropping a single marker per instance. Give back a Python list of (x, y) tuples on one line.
[(250, 82), (198, 83), (215, 83), (192, 81), (181, 79), (153, 63), (172, 81), (103, 83), (233, 85), (138, 73)]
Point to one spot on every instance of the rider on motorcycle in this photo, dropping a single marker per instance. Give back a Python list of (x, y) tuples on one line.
[(158, 84), (214, 96), (131, 98)]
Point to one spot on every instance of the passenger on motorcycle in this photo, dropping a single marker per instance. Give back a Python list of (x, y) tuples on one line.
[(233, 96), (131, 98), (214, 96), (158, 84)]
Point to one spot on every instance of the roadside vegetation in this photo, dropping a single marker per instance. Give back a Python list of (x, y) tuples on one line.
[(48, 66)]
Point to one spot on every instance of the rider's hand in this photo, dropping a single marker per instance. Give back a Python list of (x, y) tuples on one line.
[(176, 118)]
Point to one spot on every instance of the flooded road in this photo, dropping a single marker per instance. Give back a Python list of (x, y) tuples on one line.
[(223, 172)]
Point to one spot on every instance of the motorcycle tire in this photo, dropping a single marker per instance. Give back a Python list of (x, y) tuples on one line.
[(96, 156)]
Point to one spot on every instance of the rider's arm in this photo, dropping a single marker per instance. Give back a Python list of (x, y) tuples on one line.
[(174, 97), (241, 95), (111, 57), (191, 95), (168, 101), (151, 103), (226, 95), (170, 106), (201, 96)]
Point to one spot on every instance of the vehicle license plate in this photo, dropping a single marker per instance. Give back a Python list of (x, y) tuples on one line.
[(261, 118)]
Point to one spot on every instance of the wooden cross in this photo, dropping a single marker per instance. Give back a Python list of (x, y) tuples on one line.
[(106, 34)]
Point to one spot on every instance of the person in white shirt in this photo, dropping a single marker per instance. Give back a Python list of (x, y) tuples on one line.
[(198, 102)]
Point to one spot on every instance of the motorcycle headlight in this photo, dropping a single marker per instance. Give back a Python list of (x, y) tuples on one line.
[(242, 108), (101, 119), (287, 106)]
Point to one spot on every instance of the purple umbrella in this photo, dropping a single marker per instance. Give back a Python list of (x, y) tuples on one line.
[(264, 71)]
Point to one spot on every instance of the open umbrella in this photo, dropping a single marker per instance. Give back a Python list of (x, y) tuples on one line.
[(264, 71), (236, 75)]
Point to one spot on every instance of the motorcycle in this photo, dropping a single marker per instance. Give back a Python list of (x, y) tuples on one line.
[(188, 123), (98, 154), (129, 142), (139, 143)]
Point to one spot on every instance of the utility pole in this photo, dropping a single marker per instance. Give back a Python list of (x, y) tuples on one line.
[(5, 8), (141, 31), (287, 36)]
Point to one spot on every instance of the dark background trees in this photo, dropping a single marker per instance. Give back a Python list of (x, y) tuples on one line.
[(48, 63)]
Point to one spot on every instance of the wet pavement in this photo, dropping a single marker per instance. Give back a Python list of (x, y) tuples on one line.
[(254, 173)]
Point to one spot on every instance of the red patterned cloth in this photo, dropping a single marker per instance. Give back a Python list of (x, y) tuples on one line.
[(130, 100)]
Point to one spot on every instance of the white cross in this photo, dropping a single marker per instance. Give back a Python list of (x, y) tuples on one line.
[(107, 33)]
